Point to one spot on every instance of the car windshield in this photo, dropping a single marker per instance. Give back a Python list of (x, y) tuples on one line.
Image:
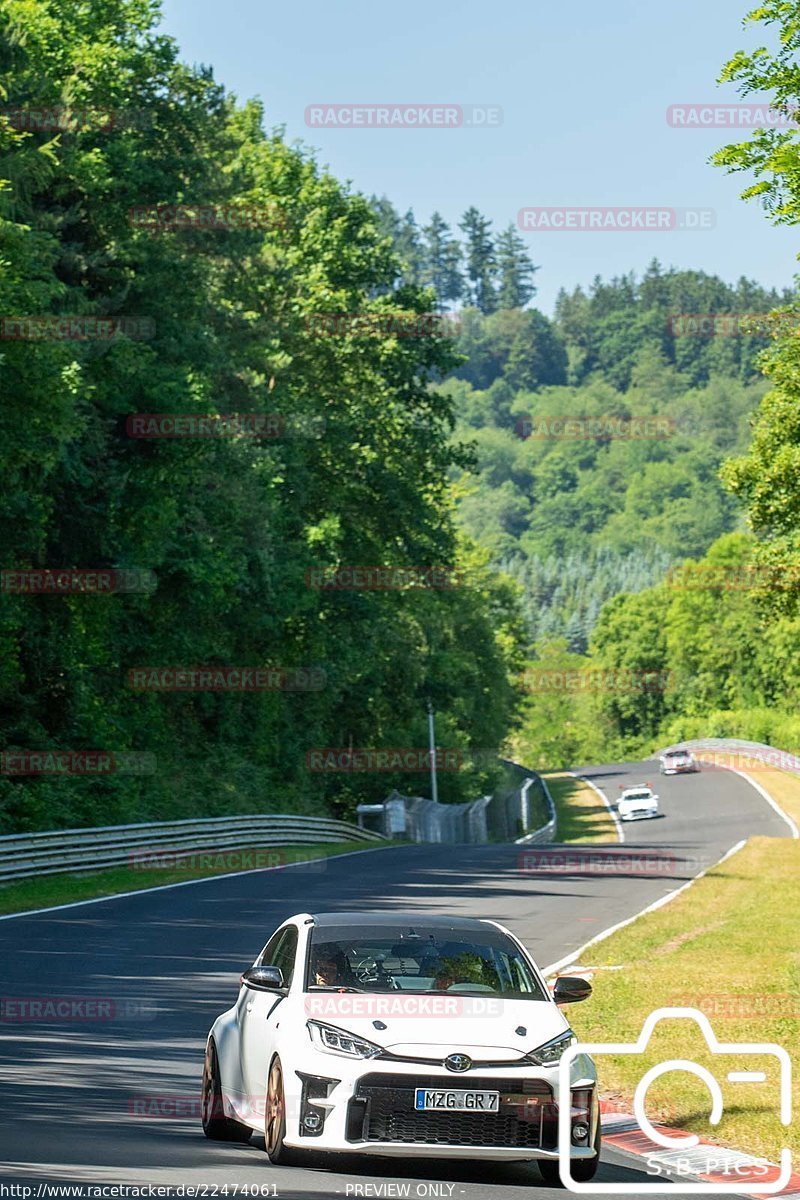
[(637, 796), (419, 959)]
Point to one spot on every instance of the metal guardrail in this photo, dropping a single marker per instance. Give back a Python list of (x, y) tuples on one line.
[(524, 813), (730, 751), (23, 855), (548, 831)]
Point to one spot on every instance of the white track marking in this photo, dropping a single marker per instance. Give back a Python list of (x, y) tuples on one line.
[(165, 887), (606, 801), (575, 955), (763, 792)]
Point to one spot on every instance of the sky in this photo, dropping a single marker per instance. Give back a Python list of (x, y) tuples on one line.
[(574, 98)]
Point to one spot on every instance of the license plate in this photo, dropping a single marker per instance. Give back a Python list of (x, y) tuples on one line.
[(430, 1099)]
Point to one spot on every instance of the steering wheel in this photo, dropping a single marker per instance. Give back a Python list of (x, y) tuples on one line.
[(371, 970), (367, 970)]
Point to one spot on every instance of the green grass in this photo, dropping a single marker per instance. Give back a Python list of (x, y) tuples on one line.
[(783, 786), (47, 890), (581, 814), (730, 947)]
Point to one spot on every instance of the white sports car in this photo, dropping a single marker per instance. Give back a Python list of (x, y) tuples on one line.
[(637, 802), (400, 1034), (677, 762)]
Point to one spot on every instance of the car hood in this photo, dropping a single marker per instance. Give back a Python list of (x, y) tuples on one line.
[(430, 1026)]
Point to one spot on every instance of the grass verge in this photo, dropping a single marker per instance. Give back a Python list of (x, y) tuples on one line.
[(783, 786), (47, 890), (581, 814), (730, 947)]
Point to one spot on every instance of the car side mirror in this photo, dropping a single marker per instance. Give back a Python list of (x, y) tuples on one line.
[(570, 989), (263, 979)]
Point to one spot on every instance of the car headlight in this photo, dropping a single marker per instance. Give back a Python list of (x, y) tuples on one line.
[(548, 1054), (339, 1041)]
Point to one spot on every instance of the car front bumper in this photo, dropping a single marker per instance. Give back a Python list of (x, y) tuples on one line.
[(367, 1107), (637, 814)]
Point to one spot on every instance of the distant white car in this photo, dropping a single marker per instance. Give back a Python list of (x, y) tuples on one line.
[(400, 1034), (636, 803), (677, 762)]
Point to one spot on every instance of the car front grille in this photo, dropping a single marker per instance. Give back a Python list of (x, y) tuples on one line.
[(382, 1110)]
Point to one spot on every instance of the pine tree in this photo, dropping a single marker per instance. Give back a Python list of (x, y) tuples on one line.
[(481, 261), (442, 269), (408, 245), (388, 217), (515, 271)]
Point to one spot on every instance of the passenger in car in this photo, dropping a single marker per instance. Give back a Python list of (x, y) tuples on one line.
[(331, 968)]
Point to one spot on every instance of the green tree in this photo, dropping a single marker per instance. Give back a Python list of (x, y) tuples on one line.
[(515, 270), (766, 478), (771, 154), (409, 246), (442, 269), (481, 260), (232, 527), (560, 724)]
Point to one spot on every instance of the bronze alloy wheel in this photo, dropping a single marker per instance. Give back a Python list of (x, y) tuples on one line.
[(275, 1120), (216, 1125)]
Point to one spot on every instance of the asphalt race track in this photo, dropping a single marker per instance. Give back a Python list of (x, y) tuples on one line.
[(71, 1089)]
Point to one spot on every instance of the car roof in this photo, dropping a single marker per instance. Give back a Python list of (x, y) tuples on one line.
[(394, 919)]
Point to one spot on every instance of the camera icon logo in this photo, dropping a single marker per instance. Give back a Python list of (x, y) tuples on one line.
[(683, 1143)]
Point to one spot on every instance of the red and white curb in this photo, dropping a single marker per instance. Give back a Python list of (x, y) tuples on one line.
[(706, 1162)]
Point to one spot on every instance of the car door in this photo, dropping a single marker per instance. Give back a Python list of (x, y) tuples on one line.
[(257, 1016)]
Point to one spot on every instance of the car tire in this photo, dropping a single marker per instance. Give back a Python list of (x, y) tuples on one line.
[(582, 1170), (216, 1126), (275, 1120)]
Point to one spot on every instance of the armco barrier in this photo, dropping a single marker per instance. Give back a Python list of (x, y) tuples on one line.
[(26, 854), (547, 831), (737, 752), (523, 813)]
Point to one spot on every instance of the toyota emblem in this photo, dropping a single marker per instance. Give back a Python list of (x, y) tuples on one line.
[(458, 1062)]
